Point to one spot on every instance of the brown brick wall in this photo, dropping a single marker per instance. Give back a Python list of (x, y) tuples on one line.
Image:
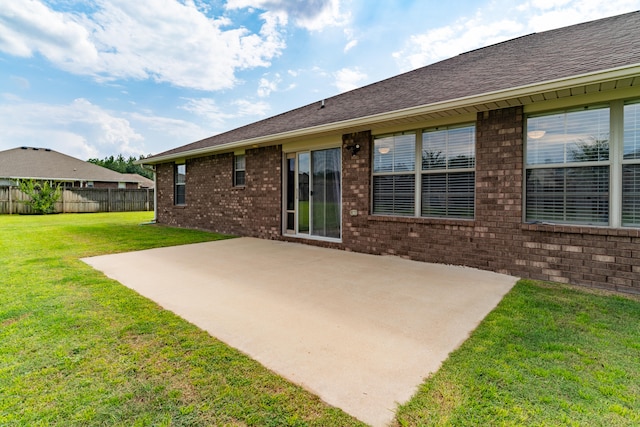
[(213, 203), (495, 240)]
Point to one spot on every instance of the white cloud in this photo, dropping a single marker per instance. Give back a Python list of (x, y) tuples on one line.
[(251, 108), (464, 35), (163, 40), (352, 41), (29, 26), (266, 86), (350, 45), (500, 21), (167, 132), (207, 109), (216, 117), (313, 15), (79, 129), (349, 78)]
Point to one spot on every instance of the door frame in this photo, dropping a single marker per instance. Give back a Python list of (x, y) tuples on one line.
[(292, 151)]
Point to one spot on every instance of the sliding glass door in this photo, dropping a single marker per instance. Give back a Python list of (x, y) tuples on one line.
[(313, 193)]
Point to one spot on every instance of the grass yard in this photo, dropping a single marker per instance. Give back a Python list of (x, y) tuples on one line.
[(548, 355), (78, 349)]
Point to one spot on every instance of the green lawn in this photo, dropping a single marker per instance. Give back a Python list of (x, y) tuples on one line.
[(547, 355), (78, 349)]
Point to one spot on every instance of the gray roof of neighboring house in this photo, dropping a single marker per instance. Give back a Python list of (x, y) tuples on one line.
[(583, 49), (43, 163), (143, 181)]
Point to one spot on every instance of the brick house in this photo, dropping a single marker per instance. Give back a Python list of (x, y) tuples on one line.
[(521, 157)]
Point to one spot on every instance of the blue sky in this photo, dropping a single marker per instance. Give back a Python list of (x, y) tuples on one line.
[(93, 78)]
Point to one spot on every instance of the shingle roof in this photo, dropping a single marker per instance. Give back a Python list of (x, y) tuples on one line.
[(43, 163), (143, 181), (577, 50)]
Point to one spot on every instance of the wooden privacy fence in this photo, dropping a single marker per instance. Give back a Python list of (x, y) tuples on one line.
[(82, 200)]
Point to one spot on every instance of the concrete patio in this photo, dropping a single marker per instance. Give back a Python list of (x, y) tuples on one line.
[(360, 331)]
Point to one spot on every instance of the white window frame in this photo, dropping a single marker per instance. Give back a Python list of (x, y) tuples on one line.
[(615, 162), (447, 171), (177, 184), (413, 173), (242, 168), (418, 172), (548, 169), (624, 162)]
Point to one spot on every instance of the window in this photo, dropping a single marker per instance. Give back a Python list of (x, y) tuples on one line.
[(448, 172), (579, 171), (567, 174), (239, 170), (180, 178), (631, 166), (430, 177), (394, 159)]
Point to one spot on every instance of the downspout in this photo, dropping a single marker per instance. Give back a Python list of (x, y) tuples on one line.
[(152, 168)]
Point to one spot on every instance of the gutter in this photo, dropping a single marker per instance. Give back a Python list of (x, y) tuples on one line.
[(464, 102)]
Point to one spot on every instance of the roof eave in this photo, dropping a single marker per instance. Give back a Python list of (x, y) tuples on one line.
[(62, 179), (464, 102)]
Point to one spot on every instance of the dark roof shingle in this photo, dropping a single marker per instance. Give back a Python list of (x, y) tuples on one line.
[(585, 48)]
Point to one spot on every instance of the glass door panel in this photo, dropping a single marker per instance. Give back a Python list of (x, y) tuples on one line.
[(291, 194), (304, 169), (313, 193), (325, 207)]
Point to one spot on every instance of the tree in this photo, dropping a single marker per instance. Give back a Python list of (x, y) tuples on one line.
[(42, 196), (592, 150), (123, 165)]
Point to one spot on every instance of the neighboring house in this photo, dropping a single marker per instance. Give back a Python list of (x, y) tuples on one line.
[(50, 165), (521, 157), (143, 181)]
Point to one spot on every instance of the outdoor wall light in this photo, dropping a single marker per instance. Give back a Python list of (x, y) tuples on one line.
[(354, 148)]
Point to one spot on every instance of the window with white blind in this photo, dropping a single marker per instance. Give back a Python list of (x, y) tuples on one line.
[(239, 170), (430, 176), (448, 172), (631, 166), (567, 174), (583, 166), (179, 179), (394, 181)]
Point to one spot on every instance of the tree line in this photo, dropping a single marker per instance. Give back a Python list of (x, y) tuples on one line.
[(123, 165)]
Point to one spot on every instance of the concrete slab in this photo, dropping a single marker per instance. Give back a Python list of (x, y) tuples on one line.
[(360, 331)]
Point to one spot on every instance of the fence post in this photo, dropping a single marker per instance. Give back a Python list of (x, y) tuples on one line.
[(10, 204), (108, 200)]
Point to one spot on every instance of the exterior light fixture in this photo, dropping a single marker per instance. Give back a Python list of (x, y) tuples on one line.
[(354, 148)]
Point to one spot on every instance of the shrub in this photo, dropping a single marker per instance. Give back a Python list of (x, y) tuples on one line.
[(42, 196)]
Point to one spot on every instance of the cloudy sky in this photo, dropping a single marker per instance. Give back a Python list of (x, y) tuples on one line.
[(93, 78)]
